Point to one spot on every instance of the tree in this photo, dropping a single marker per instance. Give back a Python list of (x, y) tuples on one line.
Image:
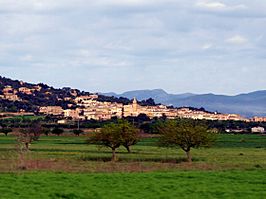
[(77, 132), (28, 135), (109, 136), (6, 130), (57, 131), (185, 134), (46, 131), (129, 134)]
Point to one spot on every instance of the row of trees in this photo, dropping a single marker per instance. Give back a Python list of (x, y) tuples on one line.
[(43, 130), (184, 134)]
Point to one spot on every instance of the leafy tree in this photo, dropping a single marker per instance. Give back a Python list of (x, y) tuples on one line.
[(57, 131), (186, 134), (114, 135), (109, 136), (77, 132), (6, 130), (129, 134)]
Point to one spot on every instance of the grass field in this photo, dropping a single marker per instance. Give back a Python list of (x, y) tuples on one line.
[(66, 167), (193, 184)]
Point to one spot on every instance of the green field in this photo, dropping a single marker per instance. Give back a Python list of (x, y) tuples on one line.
[(193, 184), (66, 167)]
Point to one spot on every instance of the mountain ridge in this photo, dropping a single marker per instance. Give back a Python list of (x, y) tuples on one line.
[(247, 104)]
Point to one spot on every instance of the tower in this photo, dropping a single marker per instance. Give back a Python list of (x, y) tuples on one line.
[(135, 105)]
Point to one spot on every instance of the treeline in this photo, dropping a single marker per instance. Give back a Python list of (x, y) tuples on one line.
[(125, 101), (143, 122), (185, 134)]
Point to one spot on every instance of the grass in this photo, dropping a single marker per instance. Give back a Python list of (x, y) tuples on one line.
[(66, 167), (193, 184), (230, 152)]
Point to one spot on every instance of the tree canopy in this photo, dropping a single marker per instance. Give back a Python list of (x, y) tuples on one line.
[(185, 134), (114, 135)]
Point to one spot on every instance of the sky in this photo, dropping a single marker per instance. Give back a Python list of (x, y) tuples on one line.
[(198, 46)]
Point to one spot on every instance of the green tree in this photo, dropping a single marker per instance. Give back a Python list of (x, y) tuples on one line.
[(77, 132), (6, 130), (109, 136), (185, 134), (57, 131), (46, 131), (129, 134)]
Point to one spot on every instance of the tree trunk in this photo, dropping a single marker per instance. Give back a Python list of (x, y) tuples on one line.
[(27, 146), (128, 149), (113, 155), (189, 158)]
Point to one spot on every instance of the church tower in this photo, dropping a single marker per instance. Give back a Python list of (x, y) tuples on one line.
[(135, 105)]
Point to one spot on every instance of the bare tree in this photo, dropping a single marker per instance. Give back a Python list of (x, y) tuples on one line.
[(27, 135)]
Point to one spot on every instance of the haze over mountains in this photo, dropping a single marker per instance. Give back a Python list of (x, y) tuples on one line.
[(249, 105)]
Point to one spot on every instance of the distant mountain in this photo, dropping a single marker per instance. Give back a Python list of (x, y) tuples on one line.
[(249, 105), (159, 95)]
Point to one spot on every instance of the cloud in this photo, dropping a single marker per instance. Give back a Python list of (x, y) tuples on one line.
[(207, 46), (121, 40), (219, 6), (237, 40), (211, 5)]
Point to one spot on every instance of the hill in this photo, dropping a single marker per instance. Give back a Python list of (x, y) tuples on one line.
[(17, 95)]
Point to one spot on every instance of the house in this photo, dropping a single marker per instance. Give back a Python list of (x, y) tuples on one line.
[(51, 110), (257, 129)]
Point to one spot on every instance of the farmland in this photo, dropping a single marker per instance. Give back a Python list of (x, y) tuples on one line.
[(67, 167)]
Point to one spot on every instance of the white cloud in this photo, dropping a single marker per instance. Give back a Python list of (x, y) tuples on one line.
[(211, 5), (217, 5), (207, 46), (237, 40)]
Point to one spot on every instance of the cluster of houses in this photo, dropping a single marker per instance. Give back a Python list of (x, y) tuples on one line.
[(9, 93), (90, 108)]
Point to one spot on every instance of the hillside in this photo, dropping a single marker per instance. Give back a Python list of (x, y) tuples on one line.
[(17, 95)]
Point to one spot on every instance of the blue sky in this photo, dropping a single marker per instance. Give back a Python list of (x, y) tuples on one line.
[(198, 46)]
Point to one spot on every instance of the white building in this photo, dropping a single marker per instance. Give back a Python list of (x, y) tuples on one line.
[(257, 129)]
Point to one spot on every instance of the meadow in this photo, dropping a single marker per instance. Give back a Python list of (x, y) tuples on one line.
[(67, 167)]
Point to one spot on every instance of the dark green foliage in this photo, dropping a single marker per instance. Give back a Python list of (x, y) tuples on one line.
[(45, 131), (57, 131), (77, 132), (5, 130)]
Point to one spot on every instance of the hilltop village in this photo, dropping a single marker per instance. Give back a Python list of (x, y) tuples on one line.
[(72, 104), (90, 108)]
